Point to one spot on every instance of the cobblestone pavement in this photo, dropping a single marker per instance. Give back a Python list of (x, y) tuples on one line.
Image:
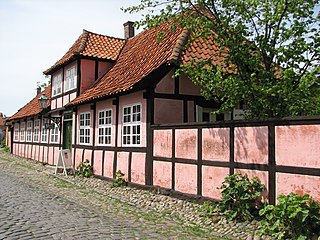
[(37, 205)]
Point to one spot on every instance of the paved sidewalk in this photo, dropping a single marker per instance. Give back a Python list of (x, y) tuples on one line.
[(36, 205)]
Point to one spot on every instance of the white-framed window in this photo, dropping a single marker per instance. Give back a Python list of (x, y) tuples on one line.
[(16, 131), (22, 131), (70, 78), (84, 126), (54, 134), (44, 131), (104, 127), (131, 129), (207, 115), (57, 84), (29, 131), (36, 130)]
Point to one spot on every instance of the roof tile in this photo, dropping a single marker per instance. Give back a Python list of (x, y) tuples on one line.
[(91, 45)]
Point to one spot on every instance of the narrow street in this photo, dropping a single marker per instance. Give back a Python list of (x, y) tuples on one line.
[(35, 205)]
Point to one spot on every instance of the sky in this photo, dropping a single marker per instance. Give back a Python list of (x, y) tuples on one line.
[(34, 34)]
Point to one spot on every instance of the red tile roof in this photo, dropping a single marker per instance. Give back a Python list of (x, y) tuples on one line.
[(32, 108), (201, 49), (91, 45), (139, 57)]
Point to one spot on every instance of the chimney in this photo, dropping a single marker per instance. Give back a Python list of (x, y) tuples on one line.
[(38, 90), (128, 30)]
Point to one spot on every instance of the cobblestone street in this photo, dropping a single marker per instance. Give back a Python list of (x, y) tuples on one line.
[(37, 205)]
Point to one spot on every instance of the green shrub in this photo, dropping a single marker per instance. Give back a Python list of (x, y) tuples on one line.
[(294, 217), (84, 169), (241, 198), (119, 181), (207, 209), (6, 149)]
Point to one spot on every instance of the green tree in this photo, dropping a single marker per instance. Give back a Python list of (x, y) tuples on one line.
[(270, 51)]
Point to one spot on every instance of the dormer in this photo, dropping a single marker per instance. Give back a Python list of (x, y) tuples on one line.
[(89, 58)]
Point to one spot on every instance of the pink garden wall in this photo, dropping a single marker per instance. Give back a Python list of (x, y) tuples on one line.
[(196, 158)]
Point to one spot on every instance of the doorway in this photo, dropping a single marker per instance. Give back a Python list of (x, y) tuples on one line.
[(67, 132)]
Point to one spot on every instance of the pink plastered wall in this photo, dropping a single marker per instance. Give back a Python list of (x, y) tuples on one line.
[(300, 184), (104, 105), (191, 110), (251, 145), (168, 111), (186, 86), (186, 178), (129, 100), (87, 74), (298, 146), (138, 168), (82, 155), (104, 67), (53, 104), (29, 151), (78, 156), (122, 163), (212, 178), (186, 143), (41, 153), (73, 96), (97, 163), (216, 144), (35, 154), (87, 155), (162, 174), (45, 155), (108, 164), (50, 156), (162, 143), (166, 84), (59, 101)]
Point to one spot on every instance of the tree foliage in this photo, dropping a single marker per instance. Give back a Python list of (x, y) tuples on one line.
[(270, 51)]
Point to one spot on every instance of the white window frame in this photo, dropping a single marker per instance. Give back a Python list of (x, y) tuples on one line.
[(70, 78), (44, 131), (22, 131), (16, 131), (57, 84), (29, 131), (212, 117), (84, 128), (54, 134), (104, 127), (131, 125), (36, 130)]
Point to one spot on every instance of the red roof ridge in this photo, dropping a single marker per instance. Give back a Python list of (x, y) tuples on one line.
[(180, 46), (83, 41), (103, 35)]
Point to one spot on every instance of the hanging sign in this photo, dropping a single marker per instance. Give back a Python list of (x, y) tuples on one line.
[(49, 126)]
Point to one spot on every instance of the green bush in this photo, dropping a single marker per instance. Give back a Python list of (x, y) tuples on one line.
[(6, 149), (294, 217), (207, 209), (119, 181), (241, 197), (84, 169)]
